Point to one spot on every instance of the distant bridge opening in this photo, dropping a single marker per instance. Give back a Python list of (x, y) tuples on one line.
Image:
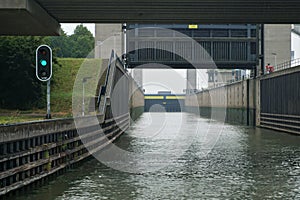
[(164, 102)]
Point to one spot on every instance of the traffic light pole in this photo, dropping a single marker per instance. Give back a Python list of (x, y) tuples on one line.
[(84, 80), (48, 116), (83, 106), (43, 67)]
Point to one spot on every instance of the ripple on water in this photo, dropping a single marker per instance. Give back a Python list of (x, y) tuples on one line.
[(240, 163)]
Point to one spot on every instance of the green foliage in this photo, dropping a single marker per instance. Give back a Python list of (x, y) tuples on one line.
[(61, 45), (19, 87), (18, 119), (62, 87), (78, 45)]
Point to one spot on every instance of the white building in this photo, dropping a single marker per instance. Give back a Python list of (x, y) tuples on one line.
[(295, 43)]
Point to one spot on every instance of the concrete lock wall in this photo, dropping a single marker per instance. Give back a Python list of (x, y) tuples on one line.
[(278, 103), (269, 101), (34, 151), (234, 102), (137, 103), (127, 96)]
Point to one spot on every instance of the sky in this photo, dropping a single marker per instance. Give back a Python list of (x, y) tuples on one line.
[(155, 80), (69, 27)]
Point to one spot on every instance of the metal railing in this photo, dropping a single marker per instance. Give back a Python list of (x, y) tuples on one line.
[(288, 64), (103, 88)]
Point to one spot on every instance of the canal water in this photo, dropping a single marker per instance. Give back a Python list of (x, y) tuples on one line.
[(204, 159)]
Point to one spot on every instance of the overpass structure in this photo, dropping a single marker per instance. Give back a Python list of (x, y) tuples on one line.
[(228, 45), (42, 17)]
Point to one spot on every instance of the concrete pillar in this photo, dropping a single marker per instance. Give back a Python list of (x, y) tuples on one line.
[(138, 76), (277, 47), (191, 76), (108, 37)]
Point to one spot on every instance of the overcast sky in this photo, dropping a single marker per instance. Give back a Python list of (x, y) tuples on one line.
[(155, 80), (69, 27)]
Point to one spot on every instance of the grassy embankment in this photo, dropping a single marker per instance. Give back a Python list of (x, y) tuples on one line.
[(62, 87), (61, 93)]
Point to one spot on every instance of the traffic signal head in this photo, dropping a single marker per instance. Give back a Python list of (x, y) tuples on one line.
[(43, 63)]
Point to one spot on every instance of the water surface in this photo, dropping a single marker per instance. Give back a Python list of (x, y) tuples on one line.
[(238, 163)]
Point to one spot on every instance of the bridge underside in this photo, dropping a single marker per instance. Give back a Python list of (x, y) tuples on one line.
[(41, 17)]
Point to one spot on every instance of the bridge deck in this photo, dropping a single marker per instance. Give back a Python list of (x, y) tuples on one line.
[(42, 17)]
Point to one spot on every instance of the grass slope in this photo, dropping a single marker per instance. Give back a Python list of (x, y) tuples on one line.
[(62, 84)]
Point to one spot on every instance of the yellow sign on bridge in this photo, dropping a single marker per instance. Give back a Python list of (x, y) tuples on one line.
[(193, 26)]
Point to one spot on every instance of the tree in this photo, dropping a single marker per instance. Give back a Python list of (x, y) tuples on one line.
[(19, 87), (83, 42), (78, 45), (61, 45)]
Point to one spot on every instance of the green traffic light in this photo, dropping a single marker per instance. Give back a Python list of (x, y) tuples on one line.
[(43, 62)]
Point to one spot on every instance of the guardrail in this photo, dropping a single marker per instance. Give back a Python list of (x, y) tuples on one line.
[(103, 88), (106, 89), (288, 64)]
